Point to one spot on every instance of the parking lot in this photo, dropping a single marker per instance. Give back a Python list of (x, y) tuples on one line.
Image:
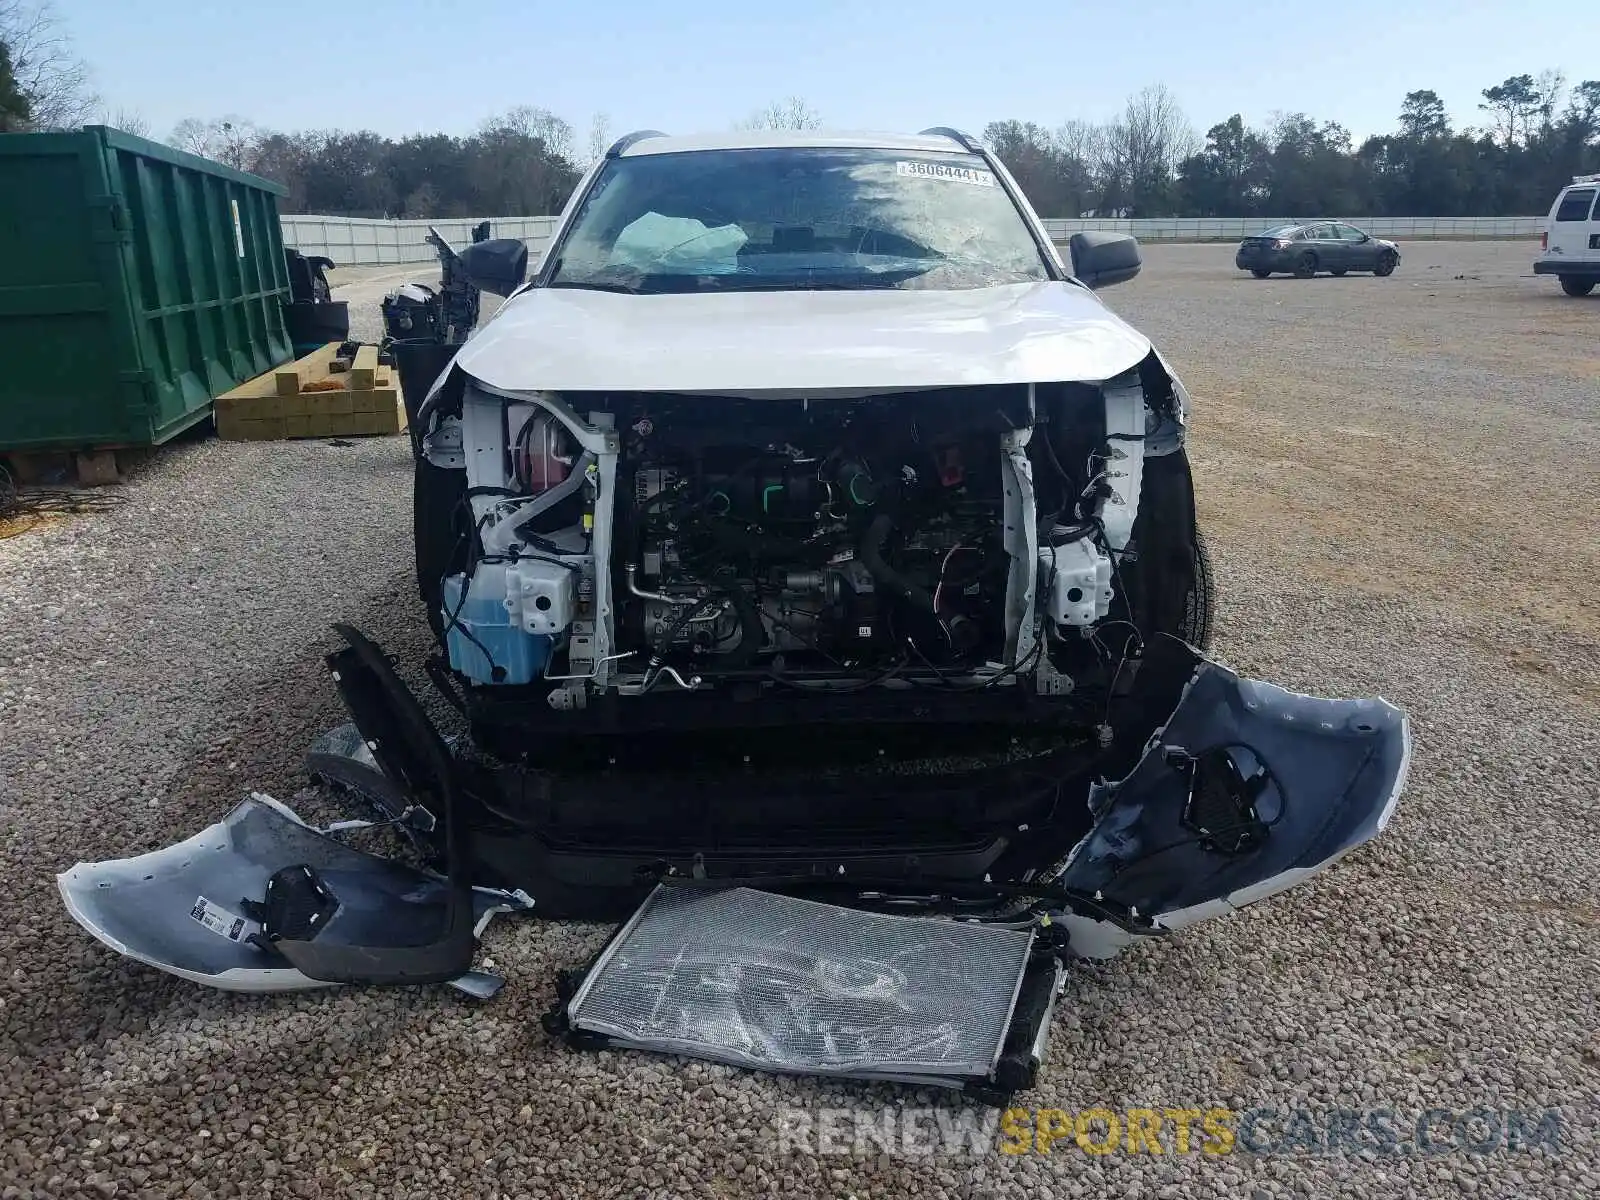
[(1400, 481)]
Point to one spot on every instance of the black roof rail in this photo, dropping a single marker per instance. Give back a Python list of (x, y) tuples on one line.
[(965, 140), (626, 140)]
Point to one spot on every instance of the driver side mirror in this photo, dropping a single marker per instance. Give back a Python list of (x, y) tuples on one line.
[(498, 266), (1102, 259)]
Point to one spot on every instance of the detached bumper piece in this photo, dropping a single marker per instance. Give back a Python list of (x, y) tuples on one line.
[(786, 984), (1247, 789), (221, 907)]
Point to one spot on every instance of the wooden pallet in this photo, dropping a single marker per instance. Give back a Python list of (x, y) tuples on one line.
[(85, 468), (315, 397)]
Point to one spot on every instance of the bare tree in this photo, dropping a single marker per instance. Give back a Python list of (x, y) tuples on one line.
[(127, 120), (1085, 152), (599, 136), (523, 160), (192, 135), (539, 124), (48, 72), (230, 140), (793, 113), (1552, 86), (237, 138), (1145, 146), (1082, 140)]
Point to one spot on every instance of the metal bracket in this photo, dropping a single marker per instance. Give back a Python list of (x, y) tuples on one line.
[(117, 225)]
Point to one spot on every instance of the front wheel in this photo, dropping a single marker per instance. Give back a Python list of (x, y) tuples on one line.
[(1261, 274), (1573, 286), (441, 526), (1305, 266), (1169, 580), (1386, 264)]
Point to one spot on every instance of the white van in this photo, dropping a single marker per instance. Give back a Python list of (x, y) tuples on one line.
[(1570, 246)]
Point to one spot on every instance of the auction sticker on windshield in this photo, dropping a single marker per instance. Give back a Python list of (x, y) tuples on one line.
[(929, 170)]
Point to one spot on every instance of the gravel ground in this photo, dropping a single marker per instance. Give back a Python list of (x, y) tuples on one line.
[(1400, 478)]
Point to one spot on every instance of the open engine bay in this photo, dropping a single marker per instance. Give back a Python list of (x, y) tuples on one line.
[(626, 543)]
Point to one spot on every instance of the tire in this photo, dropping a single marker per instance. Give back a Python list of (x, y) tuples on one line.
[(1386, 264), (1260, 274), (1305, 266), (1573, 286), (1338, 271), (441, 527), (1201, 600), (1170, 588)]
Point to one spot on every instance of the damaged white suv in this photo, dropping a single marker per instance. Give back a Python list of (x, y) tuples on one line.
[(803, 523), (794, 416)]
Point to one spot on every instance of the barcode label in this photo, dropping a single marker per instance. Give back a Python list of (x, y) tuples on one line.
[(218, 919), (930, 170)]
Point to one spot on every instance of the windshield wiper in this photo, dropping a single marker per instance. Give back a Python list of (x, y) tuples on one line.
[(856, 283), (590, 285)]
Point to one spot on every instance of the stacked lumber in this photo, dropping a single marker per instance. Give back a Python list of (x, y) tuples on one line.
[(320, 395)]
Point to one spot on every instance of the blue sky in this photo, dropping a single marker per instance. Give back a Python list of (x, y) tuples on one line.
[(402, 66)]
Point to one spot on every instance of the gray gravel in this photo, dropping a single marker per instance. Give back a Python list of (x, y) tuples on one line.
[(1400, 477)]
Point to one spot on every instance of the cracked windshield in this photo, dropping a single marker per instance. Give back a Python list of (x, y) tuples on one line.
[(797, 219)]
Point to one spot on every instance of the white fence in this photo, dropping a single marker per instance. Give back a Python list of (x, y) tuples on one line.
[(1228, 229), (356, 241)]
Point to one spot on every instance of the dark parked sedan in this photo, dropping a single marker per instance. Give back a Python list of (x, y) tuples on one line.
[(1305, 249)]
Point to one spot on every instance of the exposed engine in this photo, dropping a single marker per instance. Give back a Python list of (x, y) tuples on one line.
[(836, 543), (853, 550)]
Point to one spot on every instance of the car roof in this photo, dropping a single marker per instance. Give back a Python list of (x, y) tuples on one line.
[(637, 145), (1311, 221)]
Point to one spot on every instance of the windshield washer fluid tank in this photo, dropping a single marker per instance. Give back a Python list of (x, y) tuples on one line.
[(484, 637)]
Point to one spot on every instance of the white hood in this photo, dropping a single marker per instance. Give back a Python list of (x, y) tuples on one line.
[(569, 339)]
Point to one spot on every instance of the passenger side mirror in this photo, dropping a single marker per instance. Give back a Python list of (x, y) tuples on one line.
[(498, 266), (1102, 259)]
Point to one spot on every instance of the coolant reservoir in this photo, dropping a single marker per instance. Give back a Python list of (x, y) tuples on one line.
[(541, 457)]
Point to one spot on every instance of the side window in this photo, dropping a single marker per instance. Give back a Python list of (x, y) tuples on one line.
[(1349, 233), (1575, 205)]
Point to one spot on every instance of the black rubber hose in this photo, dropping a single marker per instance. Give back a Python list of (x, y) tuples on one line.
[(871, 552)]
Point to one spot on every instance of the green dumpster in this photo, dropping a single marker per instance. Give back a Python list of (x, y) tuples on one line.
[(136, 283)]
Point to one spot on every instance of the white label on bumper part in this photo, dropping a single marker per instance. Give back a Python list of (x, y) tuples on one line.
[(218, 919), (928, 170)]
